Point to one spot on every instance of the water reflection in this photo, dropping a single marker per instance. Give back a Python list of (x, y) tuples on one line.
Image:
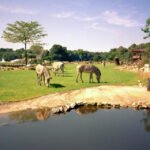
[(45, 113), (112, 129), (146, 120), (86, 110), (31, 115)]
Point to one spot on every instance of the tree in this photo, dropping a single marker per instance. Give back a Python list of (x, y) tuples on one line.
[(82, 54), (58, 52), (146, 29), (23, 32), (46, 55), (37, 50)]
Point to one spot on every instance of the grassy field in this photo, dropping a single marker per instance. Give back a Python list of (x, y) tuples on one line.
[(22, 85)]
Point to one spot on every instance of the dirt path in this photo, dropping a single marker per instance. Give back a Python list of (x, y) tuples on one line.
[(116, 96)]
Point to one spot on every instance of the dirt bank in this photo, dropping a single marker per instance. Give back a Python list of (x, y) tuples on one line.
[(115, 96)]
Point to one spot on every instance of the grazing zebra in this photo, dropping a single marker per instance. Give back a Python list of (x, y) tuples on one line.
[(58, 66), (89, 69), (43, 73)]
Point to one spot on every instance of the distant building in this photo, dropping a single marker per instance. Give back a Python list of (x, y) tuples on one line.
[(137, 54)]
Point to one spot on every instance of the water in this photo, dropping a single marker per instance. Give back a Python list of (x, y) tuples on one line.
[(86, 128)]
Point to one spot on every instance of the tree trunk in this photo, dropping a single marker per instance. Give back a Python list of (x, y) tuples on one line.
[(148, 84), (26, 56)]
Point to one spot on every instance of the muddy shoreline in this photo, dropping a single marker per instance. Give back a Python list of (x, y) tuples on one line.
[(103, 96)]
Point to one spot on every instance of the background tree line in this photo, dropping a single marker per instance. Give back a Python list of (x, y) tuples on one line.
[(57, 52)]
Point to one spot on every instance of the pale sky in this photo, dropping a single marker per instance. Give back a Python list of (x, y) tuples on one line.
[(93, 25)]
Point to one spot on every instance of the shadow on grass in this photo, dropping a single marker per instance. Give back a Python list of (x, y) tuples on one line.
[(95, 82), (104, 82), (68, 76), (55, 85)]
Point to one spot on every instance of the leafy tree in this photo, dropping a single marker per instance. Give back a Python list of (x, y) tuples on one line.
[(146, 29), (10, 56), (97, 57), (23, 32), (58, 52), (112, 54), (7, 54), (37, 50), (132, 47), (146, 57), (73, 56), (46, 55), (80, 53), (20, 52)]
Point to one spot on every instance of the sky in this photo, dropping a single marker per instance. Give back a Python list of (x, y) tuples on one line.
[(93, 25)]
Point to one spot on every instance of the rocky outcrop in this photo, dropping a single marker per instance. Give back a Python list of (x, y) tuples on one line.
[(102, 96)]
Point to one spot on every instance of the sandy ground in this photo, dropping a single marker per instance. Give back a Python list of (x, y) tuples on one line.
[(117, 96)]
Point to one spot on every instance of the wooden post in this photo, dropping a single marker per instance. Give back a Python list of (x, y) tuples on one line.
[(148, 84)]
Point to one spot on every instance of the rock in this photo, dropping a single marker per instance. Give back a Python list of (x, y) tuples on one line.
[(72, 105), (117, 106), (79, 103), (108, 106), (99, 104), (61, 109), (66, 108), (55, 110), (134, 105), (142, 107), (92, 103)]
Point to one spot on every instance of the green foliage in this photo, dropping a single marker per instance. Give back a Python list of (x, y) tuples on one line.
[(37, 51), (146, 29), (22, 85), (46, 55), (58, 52), (97, 57), (23, 32), (146, 56), (8, 54), (122, 53), (73, 56)]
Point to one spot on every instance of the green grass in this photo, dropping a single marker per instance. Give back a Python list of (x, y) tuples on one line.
[(22, 85)]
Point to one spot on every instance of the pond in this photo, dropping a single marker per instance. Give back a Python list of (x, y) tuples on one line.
[(86, 128)]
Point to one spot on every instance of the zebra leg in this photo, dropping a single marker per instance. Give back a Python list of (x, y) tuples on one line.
[(38, 81), (90, 78), (62, 70), (44, 80), (77, 77), (81, 77)]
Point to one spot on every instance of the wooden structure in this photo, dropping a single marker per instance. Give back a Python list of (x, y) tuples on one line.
[(137, 54)]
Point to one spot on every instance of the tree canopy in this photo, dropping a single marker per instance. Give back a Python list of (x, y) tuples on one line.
[(146, 29), (58, 52), (23, 32)]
